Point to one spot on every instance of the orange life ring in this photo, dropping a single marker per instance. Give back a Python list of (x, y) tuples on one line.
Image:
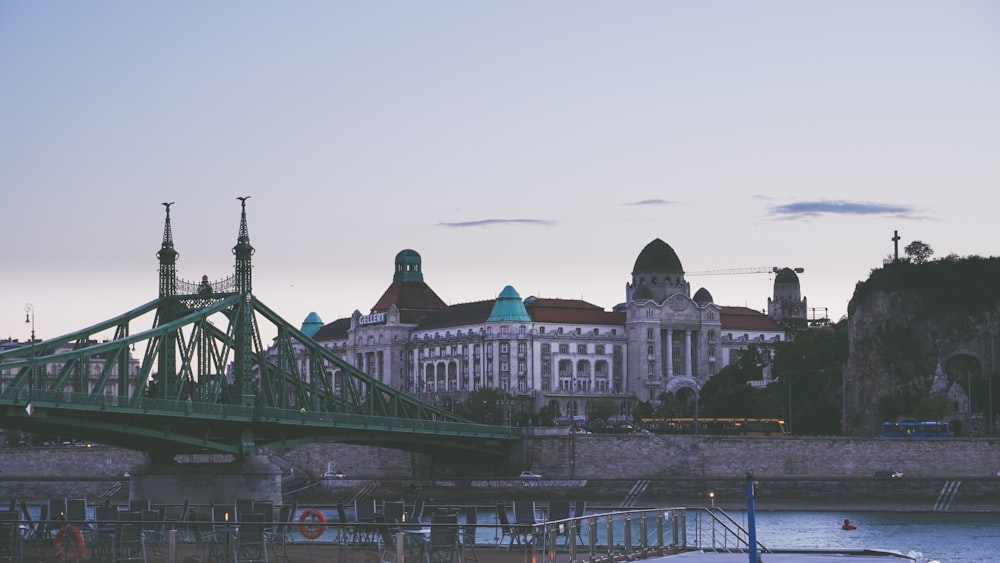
[(311, 523), (61, 538)]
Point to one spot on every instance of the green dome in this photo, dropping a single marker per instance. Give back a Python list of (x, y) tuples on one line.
[(408, 267), (509, 308), (311, 325)]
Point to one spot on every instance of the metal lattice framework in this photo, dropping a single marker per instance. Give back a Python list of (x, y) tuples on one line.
[(202, 381)]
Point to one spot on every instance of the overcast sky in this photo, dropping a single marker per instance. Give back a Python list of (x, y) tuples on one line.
[(536, 144)]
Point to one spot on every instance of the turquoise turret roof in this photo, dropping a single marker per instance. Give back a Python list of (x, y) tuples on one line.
[(509, 308), (311, 325)]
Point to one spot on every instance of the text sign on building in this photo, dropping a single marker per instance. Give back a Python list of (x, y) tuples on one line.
[(372, 319)]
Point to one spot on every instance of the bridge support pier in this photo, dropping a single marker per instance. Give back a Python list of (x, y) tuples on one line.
[(202, 483)]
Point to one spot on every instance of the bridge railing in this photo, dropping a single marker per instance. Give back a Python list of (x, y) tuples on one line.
[(100, 402)]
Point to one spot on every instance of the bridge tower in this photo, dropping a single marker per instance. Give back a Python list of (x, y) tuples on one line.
[(167, 363), (244, 329)]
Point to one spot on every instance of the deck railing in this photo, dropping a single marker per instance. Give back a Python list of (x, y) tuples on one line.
[(604, 537)]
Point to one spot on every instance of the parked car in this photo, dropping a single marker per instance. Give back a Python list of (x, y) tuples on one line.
[(335, 475), (887, 475), (530, 476)]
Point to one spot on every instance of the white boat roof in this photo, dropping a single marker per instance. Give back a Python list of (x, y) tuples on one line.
[(804, 556)]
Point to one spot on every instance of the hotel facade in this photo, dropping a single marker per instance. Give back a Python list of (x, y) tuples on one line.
[(563, 354)]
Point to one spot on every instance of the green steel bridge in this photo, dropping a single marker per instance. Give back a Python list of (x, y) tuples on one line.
[(187, 373)]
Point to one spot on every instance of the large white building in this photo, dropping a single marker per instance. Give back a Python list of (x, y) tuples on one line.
[(560, 353)]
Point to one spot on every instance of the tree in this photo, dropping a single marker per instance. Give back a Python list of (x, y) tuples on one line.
[(810, 370), (670, 406), (642, 410), (486, 405), (602, 409), (919, 252)]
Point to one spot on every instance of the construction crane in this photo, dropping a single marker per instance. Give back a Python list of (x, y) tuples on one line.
[(733, 271)]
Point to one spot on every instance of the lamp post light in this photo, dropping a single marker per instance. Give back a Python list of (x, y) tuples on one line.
[(697, 394), (789, 427), (29, 318), (711, 497), (970, 403)]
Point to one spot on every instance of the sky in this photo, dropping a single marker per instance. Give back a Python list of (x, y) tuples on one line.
[(535, 144)]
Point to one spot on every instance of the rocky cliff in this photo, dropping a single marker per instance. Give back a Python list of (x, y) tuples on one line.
[(908, 322)]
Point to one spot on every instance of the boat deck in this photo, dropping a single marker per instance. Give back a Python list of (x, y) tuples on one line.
[(847, 556)]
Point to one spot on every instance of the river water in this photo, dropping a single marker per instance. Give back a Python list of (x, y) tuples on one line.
[(947, 537)]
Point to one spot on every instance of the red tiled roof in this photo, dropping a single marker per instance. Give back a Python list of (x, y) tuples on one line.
[(744, 318), (546, 310), (337, 330), (409, 295), (476, 312)]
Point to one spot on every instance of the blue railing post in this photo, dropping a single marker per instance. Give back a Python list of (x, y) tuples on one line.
[(751, 519)]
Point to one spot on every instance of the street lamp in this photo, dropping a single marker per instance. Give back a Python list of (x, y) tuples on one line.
[(970, 403), (29, 317), (788, 428), (697, 394)]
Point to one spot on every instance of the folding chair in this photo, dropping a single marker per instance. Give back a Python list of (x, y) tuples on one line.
[(524, 522), (208, 542), (76, 512), (251, 540), (56, 514), (131, 540), (106, 522), (33, 528), (443, 542), (393, 511), (242, 505), (281, 533), (345, 531), (11, 548), (222, 516), (266, 508), (153, 533), (467, 546), (364, 517), (416, 512), (506, 530), (558, 510), (579, 510), (388, 547), (137, 505)]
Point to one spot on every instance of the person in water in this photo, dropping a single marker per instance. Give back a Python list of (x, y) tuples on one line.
[(848, 526)]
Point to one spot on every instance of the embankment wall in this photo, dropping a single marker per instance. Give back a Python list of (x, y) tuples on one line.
[(592, 456), (665, 456)]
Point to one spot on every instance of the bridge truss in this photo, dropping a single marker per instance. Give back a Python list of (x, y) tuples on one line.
[(203, 382)]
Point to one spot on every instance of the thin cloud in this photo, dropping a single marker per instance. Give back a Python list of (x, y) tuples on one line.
[(490, 222), (655, 201), (810, 209)]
